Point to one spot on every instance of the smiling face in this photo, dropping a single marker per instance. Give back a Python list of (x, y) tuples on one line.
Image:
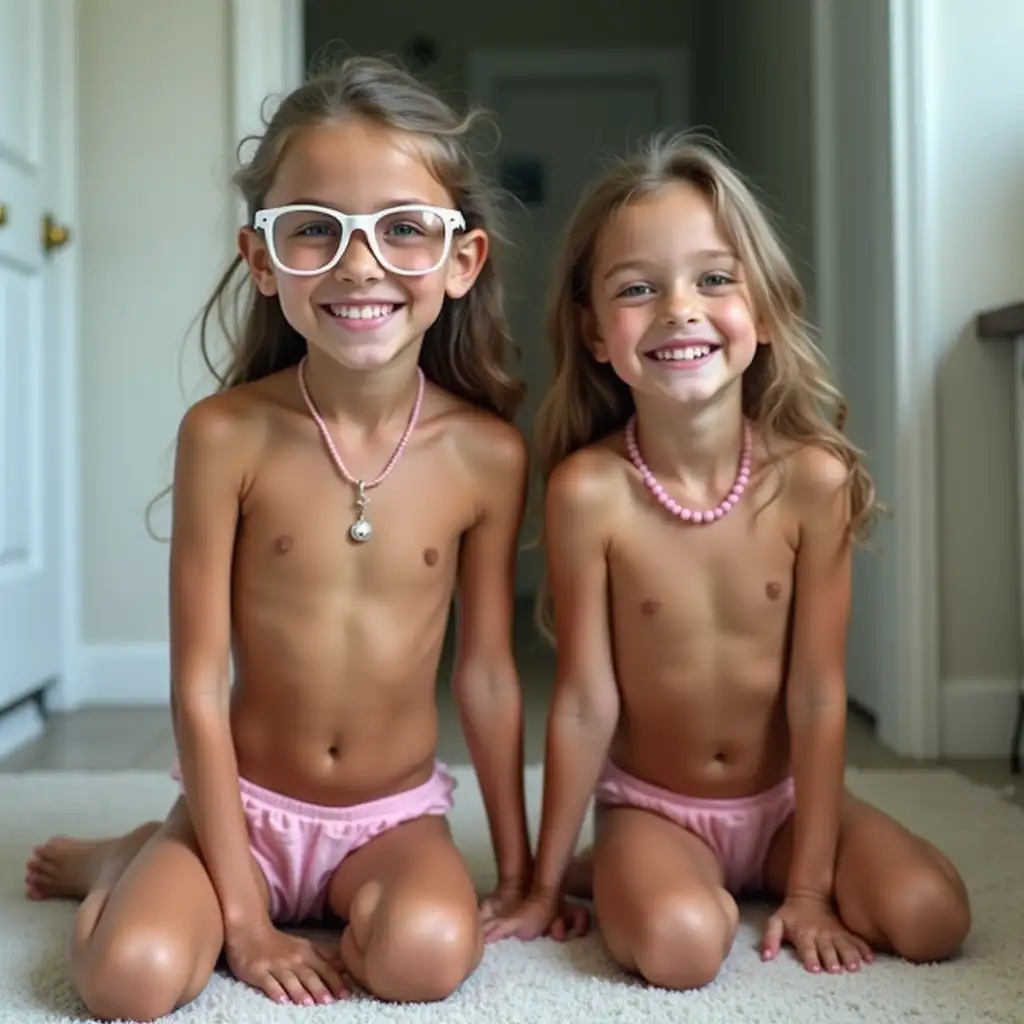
[(359, 313), (669, 308)]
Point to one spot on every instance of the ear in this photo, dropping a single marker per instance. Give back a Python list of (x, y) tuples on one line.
[(469, 254), (592, 335), (254, 251)]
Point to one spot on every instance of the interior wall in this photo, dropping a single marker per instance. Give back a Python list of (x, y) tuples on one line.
[(156, 234), (975, 129), (333, 29)]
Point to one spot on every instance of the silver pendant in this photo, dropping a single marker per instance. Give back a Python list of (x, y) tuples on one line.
[(361, 530)]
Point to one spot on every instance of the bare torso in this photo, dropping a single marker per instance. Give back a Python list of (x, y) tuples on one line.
[(700, 622), (336, 645)]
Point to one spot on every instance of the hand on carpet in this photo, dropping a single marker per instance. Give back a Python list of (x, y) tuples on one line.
[(817, 935), (286, 967), (539, 915)]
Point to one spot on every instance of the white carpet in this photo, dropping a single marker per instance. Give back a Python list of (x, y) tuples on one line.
[(539, 982)]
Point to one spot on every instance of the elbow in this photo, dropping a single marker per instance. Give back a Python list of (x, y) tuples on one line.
[(593, 711), (199, 708), (820, 703)]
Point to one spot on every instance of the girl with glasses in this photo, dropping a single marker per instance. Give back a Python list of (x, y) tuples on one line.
[(355, 467)]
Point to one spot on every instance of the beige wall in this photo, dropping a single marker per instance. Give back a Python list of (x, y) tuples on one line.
[(155, 148), (976, 94)]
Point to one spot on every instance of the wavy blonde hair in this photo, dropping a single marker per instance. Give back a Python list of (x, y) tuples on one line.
[(786, 389), (467, 349)]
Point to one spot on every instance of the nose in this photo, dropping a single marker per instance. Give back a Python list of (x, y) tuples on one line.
[(682, 306), (358, 264)]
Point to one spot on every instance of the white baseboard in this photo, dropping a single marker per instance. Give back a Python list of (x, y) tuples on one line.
[(129, 675), (19, 726), (976, 718)]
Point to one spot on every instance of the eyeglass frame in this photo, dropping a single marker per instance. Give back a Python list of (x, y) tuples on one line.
[(264, 221)]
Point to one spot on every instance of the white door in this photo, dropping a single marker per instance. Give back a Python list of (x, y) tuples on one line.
[(32, 392), (561, 115)]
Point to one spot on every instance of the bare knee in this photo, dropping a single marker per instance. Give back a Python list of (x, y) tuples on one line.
[(138, 976), (924, 916), (679, 941), (930, 917), (423, 950)]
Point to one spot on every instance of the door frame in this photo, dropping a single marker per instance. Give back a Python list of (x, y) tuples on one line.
[(267, 58), (64, 271), (909, 711)]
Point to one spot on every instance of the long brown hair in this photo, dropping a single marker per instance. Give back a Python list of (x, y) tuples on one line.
[(786, 390), (465, 351)]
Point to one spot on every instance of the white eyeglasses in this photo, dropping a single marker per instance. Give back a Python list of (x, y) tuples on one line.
[(307, 240)]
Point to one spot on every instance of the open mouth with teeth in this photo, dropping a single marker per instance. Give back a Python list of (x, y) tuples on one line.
[(365, 315), (683, 355)]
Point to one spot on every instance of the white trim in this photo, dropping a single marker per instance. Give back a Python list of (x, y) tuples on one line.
[(913, 728), (63, 72), (488, 65), (1018, 441), (126, 675), (977, 717), (267, 60), (826, 232)]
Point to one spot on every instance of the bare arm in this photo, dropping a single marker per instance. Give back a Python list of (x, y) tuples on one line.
[(585, 707), (208, 487), (816, 683), (485, 681)]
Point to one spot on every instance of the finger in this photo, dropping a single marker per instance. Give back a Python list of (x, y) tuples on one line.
[(324, 973), (313, 983), (772, 938), (807, 950), (293, 987), (500, 928), (272, 987), (849, 954), (828, 954)]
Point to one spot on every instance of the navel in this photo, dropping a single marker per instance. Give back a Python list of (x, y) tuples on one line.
[(283, 544), (650, 607), (334, 752), (430, 556), (773, 589)]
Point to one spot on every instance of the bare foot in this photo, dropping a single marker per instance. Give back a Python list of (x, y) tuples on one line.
[(65, 867), (69, 868)]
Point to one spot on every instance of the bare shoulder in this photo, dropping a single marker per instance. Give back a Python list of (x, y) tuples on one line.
[(590, 482), (818, 480), (493, 449), (230, 426)]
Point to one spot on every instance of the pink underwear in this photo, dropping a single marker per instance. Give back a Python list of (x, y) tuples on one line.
[(299, 845), (739, 832)]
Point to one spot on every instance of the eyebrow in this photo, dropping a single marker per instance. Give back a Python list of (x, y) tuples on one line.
[(386, 205), (707, 254)]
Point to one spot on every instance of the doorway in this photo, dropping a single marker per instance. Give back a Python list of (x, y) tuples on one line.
[(561, 115)]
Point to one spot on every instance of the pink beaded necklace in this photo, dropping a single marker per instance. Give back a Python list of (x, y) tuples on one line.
[(687, 514), (361, 530)]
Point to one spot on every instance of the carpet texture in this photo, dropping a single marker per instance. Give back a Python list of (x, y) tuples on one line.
[(534, 983)]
